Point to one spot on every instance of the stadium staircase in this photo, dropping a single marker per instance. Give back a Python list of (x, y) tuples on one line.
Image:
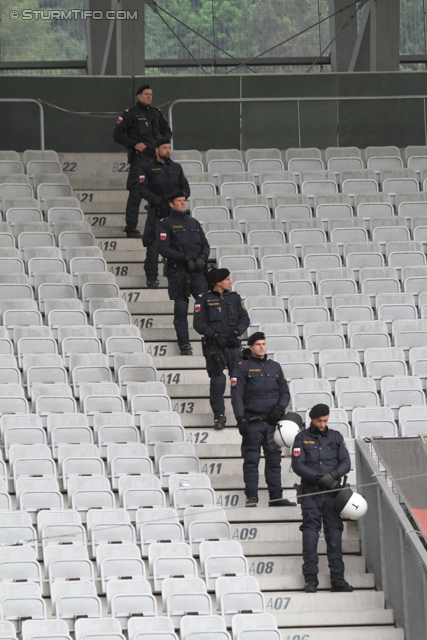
[(270, 538)]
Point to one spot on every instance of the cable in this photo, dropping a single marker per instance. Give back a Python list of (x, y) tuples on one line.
[(152, 3), (331, 15), (185, 47), (205, 510), (346, 23)]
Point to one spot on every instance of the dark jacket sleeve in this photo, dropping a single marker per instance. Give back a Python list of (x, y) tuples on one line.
[(184, 184), (205, 244), (237, 386), (120, 133), (164, 127), (144, 187), (285, 396), (344, 462), (164, 241), (298, 461), (243, 317), (200, 322)]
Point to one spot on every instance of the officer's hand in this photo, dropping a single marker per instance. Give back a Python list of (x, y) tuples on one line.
[(219, 341), (140, 146), (163, 209), (233, 341), (190, 263), (243, 426), (274, 415), (199, 263), (330, 480)]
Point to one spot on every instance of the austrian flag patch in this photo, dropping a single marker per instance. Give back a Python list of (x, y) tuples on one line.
[(142, 179), (119, 120), (196, 308), (297, 452), (233, 382), (163, 236)]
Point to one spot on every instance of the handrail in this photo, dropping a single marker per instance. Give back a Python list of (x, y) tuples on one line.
[(298, 100), (40, 106)]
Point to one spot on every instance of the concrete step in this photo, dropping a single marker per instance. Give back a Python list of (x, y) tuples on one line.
[(126, 257), (193, 390), (173, 362), (287, 566), (226, 467), (121, 244), (95, 170), (95, 196), (126, 272), (231, 483), (295, 582), (201, 420), (191, 378), (109, 220), (237, 498), (339, 633), (164, 350), (325, 608), (188, 405)]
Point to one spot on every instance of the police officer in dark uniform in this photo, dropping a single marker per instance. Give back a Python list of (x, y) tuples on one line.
[(259, 395), (184, 245), (320, 457), (220, 317), (137, 129), (157, 179)]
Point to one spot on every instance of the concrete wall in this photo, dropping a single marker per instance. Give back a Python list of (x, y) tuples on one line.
[(204, 126)]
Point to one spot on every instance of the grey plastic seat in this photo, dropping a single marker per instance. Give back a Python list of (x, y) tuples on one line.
[(308, 392), (374, 421), (413, 421), (322, 335), (395, 306), (367, 333), (296, 363), (384, 361), (378, 280), (307, 308), (356, 392), (398, 391), (409, 333), (339, 363)]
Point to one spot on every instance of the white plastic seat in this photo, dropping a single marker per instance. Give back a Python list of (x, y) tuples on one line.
[(384, 362), (348, 307), (296, 363), (356, 392), (364, 334), (322, 335), (398, 391), (339, 363), (395, 306), (374, 280), (413, 420), (409, 333), (373, 421), (155, 524), (290, 282), (308, 392), (217, 558), (123, 344), (333, 281), (243, 623), (303, 309), (170, 559)]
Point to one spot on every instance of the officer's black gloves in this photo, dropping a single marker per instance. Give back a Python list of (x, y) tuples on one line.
[(330, 480), (274, 415), (243, 426), (189, 263), (199, 263), (219, 341), (233, 341), (163, 209)]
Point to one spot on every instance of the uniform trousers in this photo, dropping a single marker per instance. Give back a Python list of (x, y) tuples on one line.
[(197, 286), (315, 509), (230, 359), (251, 453)]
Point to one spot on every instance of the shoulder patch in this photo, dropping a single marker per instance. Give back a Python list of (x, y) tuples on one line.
[(163, 236), (233, 382), (128, 109), (296, 452), (119, 120)]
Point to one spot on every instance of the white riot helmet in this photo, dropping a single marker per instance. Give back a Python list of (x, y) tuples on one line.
[(287, 429), (350, 504)]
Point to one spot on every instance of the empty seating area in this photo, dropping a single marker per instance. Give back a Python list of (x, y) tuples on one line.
[(111, 526)]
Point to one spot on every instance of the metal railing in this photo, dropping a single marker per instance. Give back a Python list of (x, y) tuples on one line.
[(392, 548), (40, 106), (298, 101)]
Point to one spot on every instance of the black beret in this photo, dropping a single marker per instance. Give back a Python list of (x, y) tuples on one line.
[(318, 411), (161, 141), (176, 194), (142, 88), (217, 275), (258, 335)]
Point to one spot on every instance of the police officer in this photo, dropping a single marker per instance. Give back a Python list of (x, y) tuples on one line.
[(137, 129), (321, 459), (157, 179), (184, 245), (259, 395), (220, 317)]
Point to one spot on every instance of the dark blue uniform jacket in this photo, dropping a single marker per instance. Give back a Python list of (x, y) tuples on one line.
[(157, 180), (315, 454), (179, 236), (141, 124), (257, 385), (216, 313)]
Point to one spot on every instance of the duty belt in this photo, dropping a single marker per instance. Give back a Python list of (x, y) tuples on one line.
[(255, 417)]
